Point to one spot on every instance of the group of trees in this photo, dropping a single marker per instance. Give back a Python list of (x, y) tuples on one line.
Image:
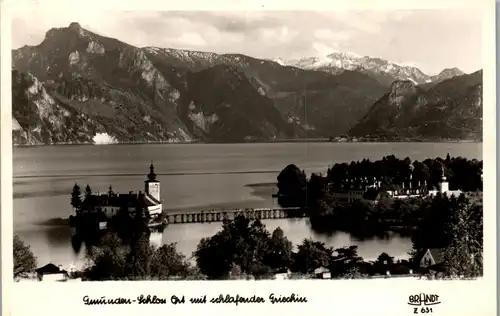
[(456, 227), (245, 248), (428, 212), (77, 200), (294, 189), (118, 259), (24, 260), (461, 173)]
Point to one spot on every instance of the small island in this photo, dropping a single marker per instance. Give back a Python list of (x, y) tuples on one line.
[(96, 212)]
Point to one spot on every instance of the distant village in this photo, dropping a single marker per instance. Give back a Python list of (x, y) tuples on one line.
[(362, 189)]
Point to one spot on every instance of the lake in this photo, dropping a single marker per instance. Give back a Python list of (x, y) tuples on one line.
[(192, 176)]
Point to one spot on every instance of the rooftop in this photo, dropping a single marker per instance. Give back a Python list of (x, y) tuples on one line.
[(120, 200)]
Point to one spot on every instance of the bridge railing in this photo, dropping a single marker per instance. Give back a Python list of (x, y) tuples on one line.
[(216, 215)]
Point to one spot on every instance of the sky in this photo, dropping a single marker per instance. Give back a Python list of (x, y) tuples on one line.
[(428, 39)]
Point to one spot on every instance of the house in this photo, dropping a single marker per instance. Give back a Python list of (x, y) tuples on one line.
[(352, 189), (112, 203), (432, 258), (51, 272), (282, 274), (322, 273), (362, 189)]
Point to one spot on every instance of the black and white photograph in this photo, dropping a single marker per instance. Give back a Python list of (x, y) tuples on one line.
[(187, 145)]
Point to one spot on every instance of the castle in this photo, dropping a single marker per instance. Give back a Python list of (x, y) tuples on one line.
[(361, 189), (110, 204)]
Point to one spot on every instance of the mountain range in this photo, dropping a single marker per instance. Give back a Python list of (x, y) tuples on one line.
[(451, 109), (76, 85), (380, 69)]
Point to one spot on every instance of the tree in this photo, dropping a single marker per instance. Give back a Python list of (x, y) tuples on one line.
[(107, 260), (312, 255), (88, 191), (433, 231), (385, 259), (464, 256), (134, 258), (280, 254), (354, 273), (24, 260), (292, 186), (244, 243), (76, 199), (212, 258), (168, 262), (138, 260), (345, 261)]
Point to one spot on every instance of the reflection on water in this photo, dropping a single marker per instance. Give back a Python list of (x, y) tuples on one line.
[(58, 236), (187, 236), (76, 244)]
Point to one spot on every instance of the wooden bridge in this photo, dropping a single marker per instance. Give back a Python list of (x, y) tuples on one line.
[(208, 216)]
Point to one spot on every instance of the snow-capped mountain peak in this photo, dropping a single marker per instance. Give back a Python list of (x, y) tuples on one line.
[(337, 62), (279, 61)]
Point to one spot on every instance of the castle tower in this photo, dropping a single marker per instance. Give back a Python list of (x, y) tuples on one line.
[(152, 186), (443, 185)]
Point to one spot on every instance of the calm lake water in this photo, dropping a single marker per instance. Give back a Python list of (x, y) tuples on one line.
[(192, 176)]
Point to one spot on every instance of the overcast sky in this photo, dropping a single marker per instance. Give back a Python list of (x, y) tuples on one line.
[(431, 40)]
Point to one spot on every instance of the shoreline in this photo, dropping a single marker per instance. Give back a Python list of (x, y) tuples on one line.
[(283, 141)]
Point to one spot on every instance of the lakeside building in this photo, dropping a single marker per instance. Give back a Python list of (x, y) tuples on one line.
[(111, 203), (51, 273), (362, 189), (444, 188)]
